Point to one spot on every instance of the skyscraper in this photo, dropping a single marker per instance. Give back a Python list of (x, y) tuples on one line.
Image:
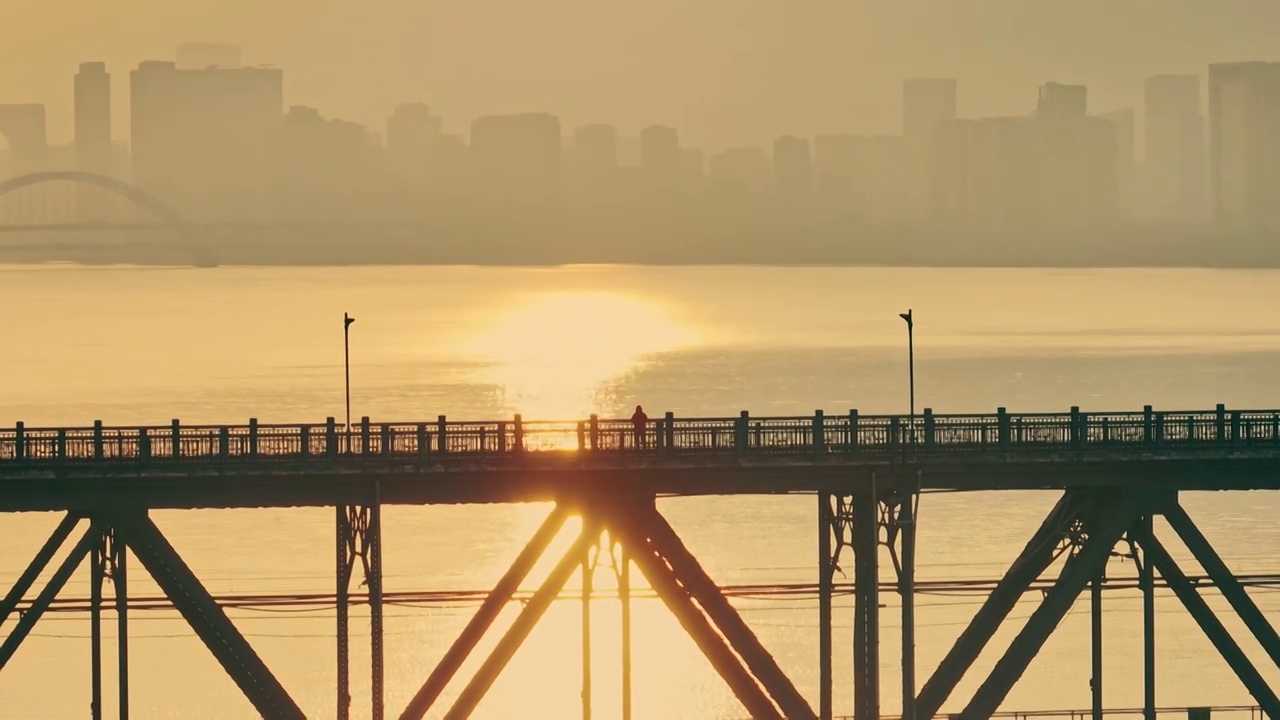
[(1244, 148), (202, 139), (92, 135), (595, 151), (1173, 162), (1125, 125), (660, 157), (927, 105), (792, 169), (516, 158)]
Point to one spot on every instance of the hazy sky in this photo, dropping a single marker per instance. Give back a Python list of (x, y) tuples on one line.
[(724, 71)]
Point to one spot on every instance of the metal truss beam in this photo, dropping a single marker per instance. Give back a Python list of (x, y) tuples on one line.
[(485, 615), (359, 537), (690, 573), (37, 565), (47, 595), (866, 602), (1035, 558), (676, 597), (1212, 627), (1225, 581), (204, 616), (826, 578), (524, 623), (1104, 531)]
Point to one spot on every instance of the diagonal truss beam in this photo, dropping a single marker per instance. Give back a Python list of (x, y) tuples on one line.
[(1225, 581), (206, 617), (485, 615), (676, 597), (50, 591), (524, 623), (37, 566), (1035, 558), (1104, 531), (702, 588), (1212, 626)]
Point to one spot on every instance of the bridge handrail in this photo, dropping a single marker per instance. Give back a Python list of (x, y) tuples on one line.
[(848, 433)]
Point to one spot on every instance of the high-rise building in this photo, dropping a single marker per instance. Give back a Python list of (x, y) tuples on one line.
[(740, 170), (516, 158), (1079, 159), (411, 130), (1173, 161), (203, 56), (595, 151), (928, 104), (202, 139), (93, 136), (1244, 148), (660, 157), (792, 168), (1060, 102), (1125, 125), (23, 127)]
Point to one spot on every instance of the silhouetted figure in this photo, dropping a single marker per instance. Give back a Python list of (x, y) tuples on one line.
[(640, 421)]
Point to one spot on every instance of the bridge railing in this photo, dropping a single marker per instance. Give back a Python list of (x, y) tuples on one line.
[(819, 434)]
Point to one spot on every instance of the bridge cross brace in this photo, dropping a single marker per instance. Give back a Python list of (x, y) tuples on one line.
[(105, 542), (1086, 526)]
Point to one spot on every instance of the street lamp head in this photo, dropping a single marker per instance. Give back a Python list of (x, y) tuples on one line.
[(347, 320), (906, 316)]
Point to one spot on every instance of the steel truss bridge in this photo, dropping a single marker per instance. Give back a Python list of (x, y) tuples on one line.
[(1115, 471)]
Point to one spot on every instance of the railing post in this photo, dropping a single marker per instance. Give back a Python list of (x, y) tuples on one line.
[(253, 437), (365, 435), (595, 432), (740, 436), (1222, 422), (422, 440), (582, 436), (62, 444), (97, 440), (1077, 433), (20, 441), (670, 430), (330, 437), (144, 444), (853, 429), (176, 439), (519, 433), (1159, 428), (442, 440), (928, 427), (1236, 429), (818, 438), (895, 426), (1148, 425), (224, 442), (387, 440), (1002, 428), (304, 440)]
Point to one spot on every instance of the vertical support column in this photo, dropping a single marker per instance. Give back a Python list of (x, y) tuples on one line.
[(120, 577), (825, 567), (624, 594), (587, 590), (1147, 583), (907, 588), (866, 624), (343, 576), (373, 576), (95, 624), (1095, 681)]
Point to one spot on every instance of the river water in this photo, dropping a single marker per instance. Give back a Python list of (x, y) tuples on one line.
[(135, 345)]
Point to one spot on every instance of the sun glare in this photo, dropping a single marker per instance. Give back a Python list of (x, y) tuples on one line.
[(551, 353)]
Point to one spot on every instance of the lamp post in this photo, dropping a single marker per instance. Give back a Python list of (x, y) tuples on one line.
[(346, 363), (907, 514), (911, 361)]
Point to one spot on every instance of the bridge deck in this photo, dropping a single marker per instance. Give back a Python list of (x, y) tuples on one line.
[(446, 461)]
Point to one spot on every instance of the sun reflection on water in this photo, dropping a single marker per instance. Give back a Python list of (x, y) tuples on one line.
[(551, 352)]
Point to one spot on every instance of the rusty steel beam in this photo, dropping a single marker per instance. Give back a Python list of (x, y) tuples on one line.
[(37, 565), (1212, 627), (46, 596), (676, 597), (485, 615), (1225, 581), (1034, 560), (1106, 526), (529, 615), (206, 617), (690, 573)]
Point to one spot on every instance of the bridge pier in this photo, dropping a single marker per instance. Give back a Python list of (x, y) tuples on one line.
[(359, 537)]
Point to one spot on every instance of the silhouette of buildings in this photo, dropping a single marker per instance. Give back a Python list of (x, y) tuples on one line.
[(660, 157), (202, 139), (1173, 161), (203, 56), (743, 170), (594, 152), (1125, 124), (793, 170), (928, 105), (93, 148), (23, 128), (1244, 148), (515, 161)]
